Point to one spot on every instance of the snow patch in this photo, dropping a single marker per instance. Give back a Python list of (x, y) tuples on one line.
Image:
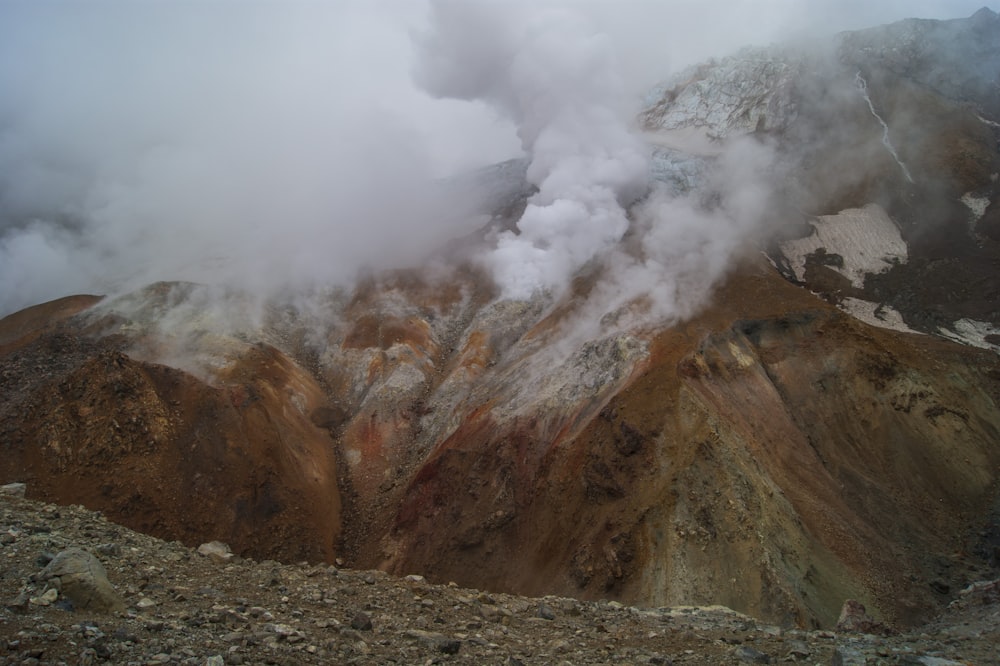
[(977, 205), (866, 238), (988, 121), (874, 314), (972, 332)]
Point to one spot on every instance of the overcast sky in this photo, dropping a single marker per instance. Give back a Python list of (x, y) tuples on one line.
[(141, 129)]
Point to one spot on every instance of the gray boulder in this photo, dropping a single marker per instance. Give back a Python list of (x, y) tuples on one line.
[(80, 577)]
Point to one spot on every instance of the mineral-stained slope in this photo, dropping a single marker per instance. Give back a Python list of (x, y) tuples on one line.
[(165, 452), (772, 452)]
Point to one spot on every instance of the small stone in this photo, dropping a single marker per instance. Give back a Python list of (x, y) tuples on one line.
[(439, 641), (771, 630), (361, 622), (20, 603), (215, 660), (125, 636), (216, 551), (279, 629), (46, 599), (844, 655), (545, 612), (749, 655), (854, 618), (13, 489), (145, 603), (449, 646), (559, 645), (798, 649)]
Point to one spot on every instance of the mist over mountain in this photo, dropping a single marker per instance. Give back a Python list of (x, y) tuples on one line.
[(254, 144), (533, 297)]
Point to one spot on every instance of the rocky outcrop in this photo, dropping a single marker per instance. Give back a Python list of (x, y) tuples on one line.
[(79, 577)]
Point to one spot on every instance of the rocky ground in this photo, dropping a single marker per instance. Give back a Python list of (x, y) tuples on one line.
[(177, 605)]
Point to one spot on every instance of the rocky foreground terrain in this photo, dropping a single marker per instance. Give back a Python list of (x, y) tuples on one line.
[(175, 605)]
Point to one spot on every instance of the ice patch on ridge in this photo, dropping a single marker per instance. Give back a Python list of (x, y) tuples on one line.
[(972, 332), (866, 238), (875, 314)]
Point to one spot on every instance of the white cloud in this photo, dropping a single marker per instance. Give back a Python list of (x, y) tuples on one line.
[(269, 143)]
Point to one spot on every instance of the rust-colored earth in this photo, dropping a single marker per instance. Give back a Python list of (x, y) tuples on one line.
[(772, 454)]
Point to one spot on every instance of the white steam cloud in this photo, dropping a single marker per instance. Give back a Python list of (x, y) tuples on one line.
[(555, 77), (282, 146), (267, 146)]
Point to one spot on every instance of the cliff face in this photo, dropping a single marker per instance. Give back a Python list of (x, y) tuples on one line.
[(811, 435), (165, 452)]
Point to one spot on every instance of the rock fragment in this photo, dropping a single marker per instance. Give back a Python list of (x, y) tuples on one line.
[(440, 642), (216, 551), (361, 622), (81, 577), (846, 655), (749, 655), (854, 618), (14, 489)]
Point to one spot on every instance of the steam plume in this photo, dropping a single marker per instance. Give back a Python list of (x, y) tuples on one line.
[(555, 77), (279, 146)]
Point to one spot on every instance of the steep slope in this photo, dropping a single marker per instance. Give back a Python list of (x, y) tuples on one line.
[(165, 452), (772, 454)]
